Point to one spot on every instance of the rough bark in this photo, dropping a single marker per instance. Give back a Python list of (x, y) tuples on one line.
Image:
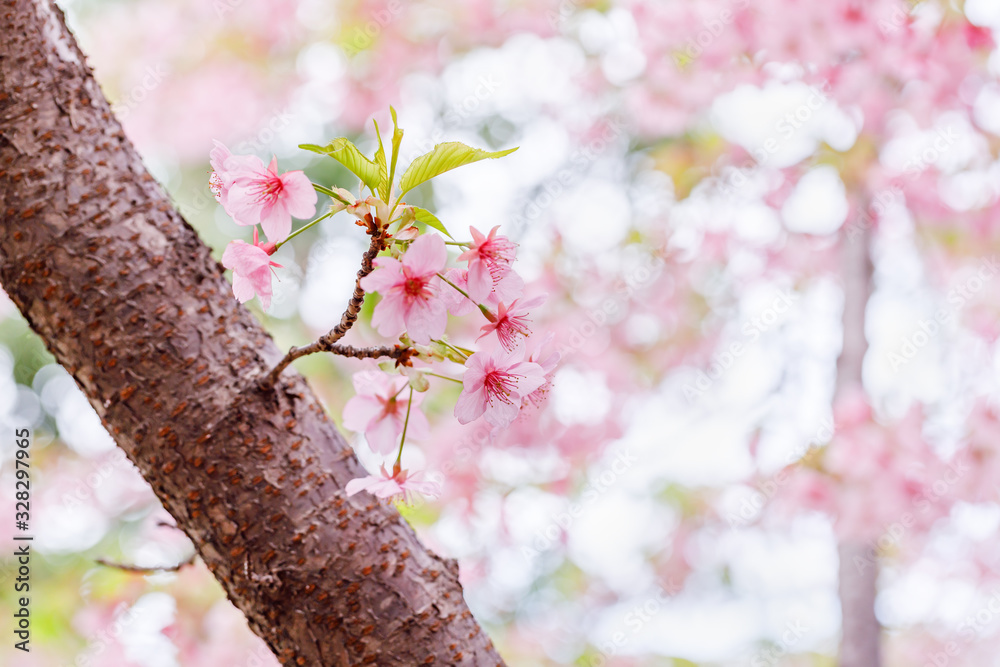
[(130, 301), (859, 643)]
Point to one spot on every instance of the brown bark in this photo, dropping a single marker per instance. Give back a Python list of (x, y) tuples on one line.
[(130, 301), (860, 629)]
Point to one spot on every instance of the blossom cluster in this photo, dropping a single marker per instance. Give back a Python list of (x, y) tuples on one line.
[(420, 284)]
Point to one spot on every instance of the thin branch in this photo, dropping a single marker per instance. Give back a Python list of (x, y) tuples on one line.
[(135, 569), (327, 343)]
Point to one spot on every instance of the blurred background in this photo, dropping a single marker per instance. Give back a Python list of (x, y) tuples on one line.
[(690, 175)]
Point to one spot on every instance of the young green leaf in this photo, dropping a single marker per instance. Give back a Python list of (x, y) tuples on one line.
[(428, 218), (444, 157), (397, 139), (385, 185), (347, 154)]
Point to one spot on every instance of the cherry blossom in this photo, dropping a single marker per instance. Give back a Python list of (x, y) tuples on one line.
[(380, 411), (400, 484), (410, 291), (258, 195), (251, 268), (494, 385), (511, 322), (489, 259)]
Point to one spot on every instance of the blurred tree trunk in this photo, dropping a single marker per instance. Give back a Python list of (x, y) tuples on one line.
[(130, 301), (859, 644)]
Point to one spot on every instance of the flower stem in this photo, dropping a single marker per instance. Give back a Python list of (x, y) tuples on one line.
[(399, 457), (443, 377), (483, 309), (329, 193), (460, 290), (447, 344), (302, 229)]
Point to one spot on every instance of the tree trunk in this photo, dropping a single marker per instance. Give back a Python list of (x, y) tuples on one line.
[(130, 301), (860, 630)]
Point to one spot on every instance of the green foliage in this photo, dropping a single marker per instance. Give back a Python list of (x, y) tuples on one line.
[(346, 153), (429, 219), (444, 157)]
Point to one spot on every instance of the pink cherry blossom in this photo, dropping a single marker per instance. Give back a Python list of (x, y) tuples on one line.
[(489, 260), (401, 483), (379, 410), (494, 385), (410, 291), (251, 268), (258, 195), (511, 323)]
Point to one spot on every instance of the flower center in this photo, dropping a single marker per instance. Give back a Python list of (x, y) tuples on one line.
[(268, 189), (416, 288), (499, 386)]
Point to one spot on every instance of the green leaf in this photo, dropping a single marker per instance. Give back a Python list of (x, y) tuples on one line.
[(347, 154), (397, 139), (428, 218), (444, 157), (385, 185)]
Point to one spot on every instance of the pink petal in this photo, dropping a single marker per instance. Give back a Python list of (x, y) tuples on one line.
[(385, 277), (426, 256), (388, 315), (501, 414), (470, 405), (299, 195), (276, 221), (386, 488), (242, 288), (480, 281), (361, 484), (426, 319), (382, 434), (360, 411), (532, 377)]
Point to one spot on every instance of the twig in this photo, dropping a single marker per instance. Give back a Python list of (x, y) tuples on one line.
[(135, 569), (327, 343)]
